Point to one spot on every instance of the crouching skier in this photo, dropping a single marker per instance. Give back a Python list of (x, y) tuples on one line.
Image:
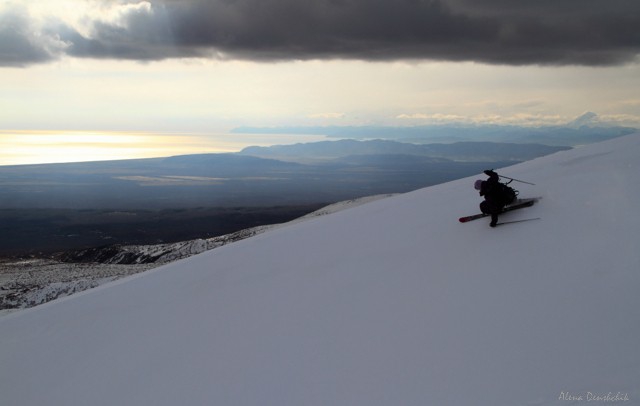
[(496, 195)]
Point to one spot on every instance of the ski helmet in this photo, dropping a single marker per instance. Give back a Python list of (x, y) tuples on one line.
[(478, 184)]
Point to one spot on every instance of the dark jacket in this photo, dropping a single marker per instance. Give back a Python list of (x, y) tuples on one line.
[(494, 199), (492, 190)]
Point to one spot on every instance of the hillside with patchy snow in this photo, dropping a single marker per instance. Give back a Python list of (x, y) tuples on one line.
[(390, 303)]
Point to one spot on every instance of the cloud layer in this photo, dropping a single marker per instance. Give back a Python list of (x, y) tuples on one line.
[(513, 32)]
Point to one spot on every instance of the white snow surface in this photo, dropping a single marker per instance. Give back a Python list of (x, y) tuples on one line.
[(389, 303)]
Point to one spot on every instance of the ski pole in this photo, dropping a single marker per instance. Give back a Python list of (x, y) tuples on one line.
[(521, 181)]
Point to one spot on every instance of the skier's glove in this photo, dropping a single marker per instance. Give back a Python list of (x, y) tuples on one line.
[(490, 172)]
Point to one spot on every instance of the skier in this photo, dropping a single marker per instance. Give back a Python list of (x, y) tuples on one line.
[(496, 195)]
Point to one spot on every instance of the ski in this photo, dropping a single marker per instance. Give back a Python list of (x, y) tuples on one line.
[(519, 205), (516, 221)]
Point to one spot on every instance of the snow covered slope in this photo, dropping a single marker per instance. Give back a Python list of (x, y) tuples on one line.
[(390, 303)]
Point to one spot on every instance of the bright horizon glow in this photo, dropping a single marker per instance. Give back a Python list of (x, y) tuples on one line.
[(43, 147), (124, 110)]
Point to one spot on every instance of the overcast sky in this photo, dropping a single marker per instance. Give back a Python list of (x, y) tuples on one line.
[(210, 65)]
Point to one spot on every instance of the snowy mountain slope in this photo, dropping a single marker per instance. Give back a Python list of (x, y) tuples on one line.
[(390, 303), (27, 283), (169, 252)]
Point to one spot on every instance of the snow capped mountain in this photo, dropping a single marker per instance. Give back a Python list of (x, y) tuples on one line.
[(389, 303)]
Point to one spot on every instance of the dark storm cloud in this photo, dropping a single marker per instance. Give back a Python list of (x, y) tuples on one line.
[(555, 32), (17, 46)]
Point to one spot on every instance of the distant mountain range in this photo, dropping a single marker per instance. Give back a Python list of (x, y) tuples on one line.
[(459, 151), (581, 131)]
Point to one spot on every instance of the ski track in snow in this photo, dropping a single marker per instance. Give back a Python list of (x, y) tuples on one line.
[(390, 303)]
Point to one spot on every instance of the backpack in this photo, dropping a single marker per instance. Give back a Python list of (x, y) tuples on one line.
[(509, 194)]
